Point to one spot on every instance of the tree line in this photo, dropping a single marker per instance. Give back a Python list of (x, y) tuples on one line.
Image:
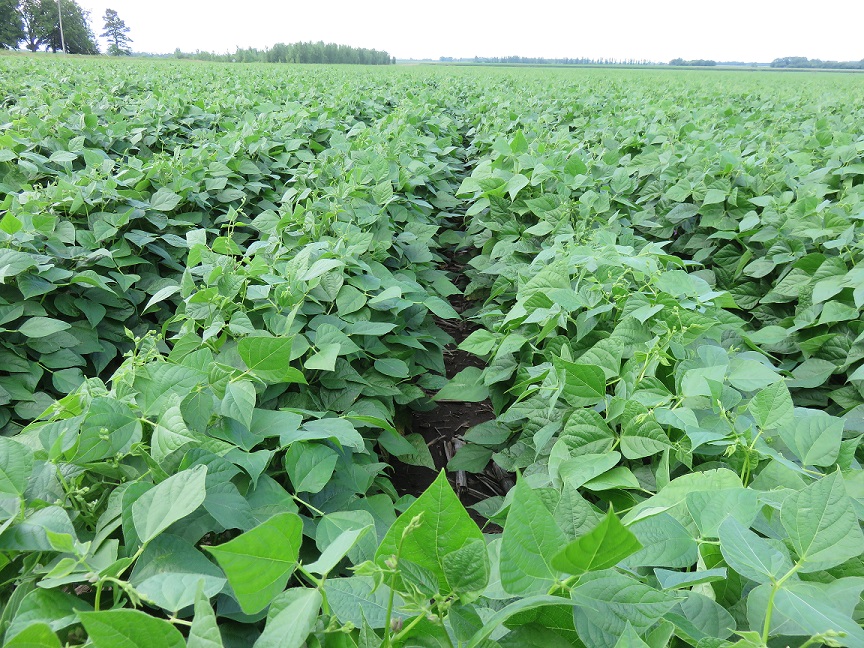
[(804, 62), (693, 63), (310, 52), (534, 60)]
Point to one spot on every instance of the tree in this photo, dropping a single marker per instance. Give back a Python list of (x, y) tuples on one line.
[(115, 31), (36, 21), (41, 23), (11, 25)]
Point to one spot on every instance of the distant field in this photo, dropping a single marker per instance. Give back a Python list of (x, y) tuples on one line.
[(267, 330)]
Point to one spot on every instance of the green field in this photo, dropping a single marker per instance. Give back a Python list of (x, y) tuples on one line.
[(227, 294)]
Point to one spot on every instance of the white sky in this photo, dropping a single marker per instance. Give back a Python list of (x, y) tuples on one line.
[(742, 30)]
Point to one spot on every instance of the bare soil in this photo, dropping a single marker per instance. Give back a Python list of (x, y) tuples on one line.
[(443, 426)]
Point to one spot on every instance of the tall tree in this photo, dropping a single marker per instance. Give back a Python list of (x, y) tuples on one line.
[(36, 20), (42, 26), (116, 31), (11, 25)]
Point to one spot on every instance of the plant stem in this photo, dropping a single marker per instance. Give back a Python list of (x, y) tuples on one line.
[(98, 598), (769, 612)]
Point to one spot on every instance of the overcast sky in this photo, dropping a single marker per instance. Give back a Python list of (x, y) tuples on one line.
[(659, 30)]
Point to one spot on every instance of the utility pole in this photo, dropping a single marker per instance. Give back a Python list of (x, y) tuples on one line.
[(62, 37)]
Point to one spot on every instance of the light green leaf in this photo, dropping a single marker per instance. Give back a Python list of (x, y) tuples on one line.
[(291, 619), (445, 527), (269, 358), (164, 200), (337, 550), (392, 367), (714, 196), (676, 579), (168, 501), (602, 547), (641, 435), (709, 508), (239, 401), (749, 555), (16, 465), (608, 600), (57, 609), (358, 599), (171, 570), (259, 562), (39, 327), (37, 635), (129, 629), (530, 542), (480, 342), (520, 605), (584, 385), (665, 542), (310, 466), (325, 358), (772, 407), (813, 436), (467, 568), (204, 632), (822, 524), (466, 386), (630, 639)]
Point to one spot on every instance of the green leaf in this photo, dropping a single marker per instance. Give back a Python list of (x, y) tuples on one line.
[(337, 550), (822, 524), (129, 629), (16, 465), (58, 609), (584, 385), (259, 562), (714, 196), (813, 436), (239, 401), (291, 619), (521, 605), (358, 599), (171, 570), (444, 527), (170, 434), (37, 635), (630, 639), (169, 501), (466, 386), (772, 406), (641, 435), (677, 579), (325, 358), (164, 200), (607, 600), (471, 458), (39, 327), (392, 367), (467, 568), (310, 466), (480, 342), (749, 555), (811, 373), (813, 609), (604, 546), (269, 358), (204, 632), (665, 543), (709, 508), (530, 542)]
